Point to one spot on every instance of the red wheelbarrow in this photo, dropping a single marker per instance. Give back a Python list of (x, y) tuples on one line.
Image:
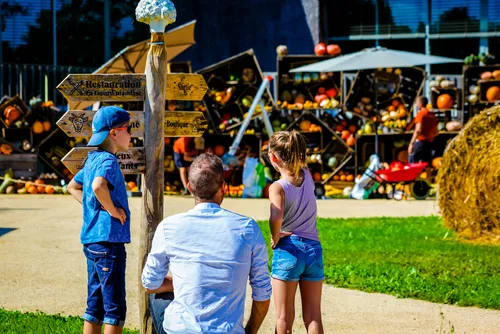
[(409, 174)]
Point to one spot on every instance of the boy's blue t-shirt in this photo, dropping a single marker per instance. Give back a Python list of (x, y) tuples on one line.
[(98, 225)]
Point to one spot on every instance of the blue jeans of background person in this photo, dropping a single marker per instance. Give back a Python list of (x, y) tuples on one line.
[(106, 283), (296, 259), (422, 152), (157, 305)]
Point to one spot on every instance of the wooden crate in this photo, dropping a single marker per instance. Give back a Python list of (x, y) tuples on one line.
[(223, 76), (23, 165)]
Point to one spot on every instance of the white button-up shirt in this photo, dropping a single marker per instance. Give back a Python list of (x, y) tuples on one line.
[(211, 253)]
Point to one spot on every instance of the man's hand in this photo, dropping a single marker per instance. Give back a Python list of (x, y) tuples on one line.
[(276, 239), (119, 214)]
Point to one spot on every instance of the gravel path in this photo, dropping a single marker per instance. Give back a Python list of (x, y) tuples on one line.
[(43, 267)]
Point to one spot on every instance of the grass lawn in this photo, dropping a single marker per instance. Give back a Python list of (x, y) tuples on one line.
[(409, 258), (13, 322)]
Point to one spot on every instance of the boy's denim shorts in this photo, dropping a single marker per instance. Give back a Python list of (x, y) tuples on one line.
[(296, 259), (106, 283)]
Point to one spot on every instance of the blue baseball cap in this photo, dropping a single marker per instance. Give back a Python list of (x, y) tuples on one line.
[(105, 119)]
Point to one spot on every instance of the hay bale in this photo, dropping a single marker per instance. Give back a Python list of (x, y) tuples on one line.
[(469, 178)]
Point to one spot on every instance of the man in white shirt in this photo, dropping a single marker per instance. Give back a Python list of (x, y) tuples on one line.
[(211, 253)]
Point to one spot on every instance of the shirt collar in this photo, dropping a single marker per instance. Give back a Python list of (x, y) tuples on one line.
[(201, 206)]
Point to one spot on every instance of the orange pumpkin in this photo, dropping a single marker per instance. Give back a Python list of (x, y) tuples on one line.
[(49, 190), (32, 190), (391, 108), (131, 185), (395, 103), (401, 112), (496, 74), (444, 101), (27, 185), (345, 134), (11, 114), (436, 162), (403, 156), (352, 128), (351, 141), (37, 127), (219, 150), (305, 125), (349, 178), (343, 177), (317, 176), (493, 94), (46, 126), (336, 177)]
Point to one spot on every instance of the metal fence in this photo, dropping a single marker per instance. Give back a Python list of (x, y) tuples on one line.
[(29, 80)]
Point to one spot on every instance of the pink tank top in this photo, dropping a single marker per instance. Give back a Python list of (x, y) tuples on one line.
[(300, 209)]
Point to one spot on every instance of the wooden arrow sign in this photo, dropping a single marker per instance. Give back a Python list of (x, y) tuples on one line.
[(129, 87), (182, 86), (131, 161), (78, 123), (103, 87)]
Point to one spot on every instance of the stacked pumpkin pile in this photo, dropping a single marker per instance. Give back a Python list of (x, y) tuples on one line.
[(346, 132), (11, 186), (308, 126), (491, 80), (393, 117)]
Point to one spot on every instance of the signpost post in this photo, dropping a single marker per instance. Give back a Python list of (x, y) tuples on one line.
[(153, 124)]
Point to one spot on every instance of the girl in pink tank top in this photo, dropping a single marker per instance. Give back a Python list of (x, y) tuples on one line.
[(297, 252)]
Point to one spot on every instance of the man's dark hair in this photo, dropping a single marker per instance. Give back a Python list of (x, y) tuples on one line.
[(206, 176), (423, 100)]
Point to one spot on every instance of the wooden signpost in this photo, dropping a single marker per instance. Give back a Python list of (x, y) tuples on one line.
[(78, 123)]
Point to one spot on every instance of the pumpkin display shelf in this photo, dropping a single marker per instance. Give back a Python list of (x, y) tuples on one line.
[(478, 81), (232, 86), (326, 151), (304, 91)]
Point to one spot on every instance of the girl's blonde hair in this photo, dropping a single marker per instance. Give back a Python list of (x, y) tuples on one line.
[(290, 147)]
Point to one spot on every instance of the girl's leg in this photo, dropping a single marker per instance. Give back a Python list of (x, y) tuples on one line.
[(310, 293), (284, 301)]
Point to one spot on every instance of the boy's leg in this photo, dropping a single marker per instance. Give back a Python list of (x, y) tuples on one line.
[(112, 276), (94, 313)]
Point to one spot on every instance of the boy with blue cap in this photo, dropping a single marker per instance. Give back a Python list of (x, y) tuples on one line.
[(100, 187)]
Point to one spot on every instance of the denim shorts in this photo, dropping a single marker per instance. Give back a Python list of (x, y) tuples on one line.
[(296, 258), (106, 283)]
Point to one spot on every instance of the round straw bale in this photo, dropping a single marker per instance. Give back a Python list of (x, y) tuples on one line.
[(469, 178)]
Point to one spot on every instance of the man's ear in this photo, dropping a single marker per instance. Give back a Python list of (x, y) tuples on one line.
[(188, 185)]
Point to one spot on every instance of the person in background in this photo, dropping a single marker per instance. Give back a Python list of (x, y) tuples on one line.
[(184, 154), (426, 129)]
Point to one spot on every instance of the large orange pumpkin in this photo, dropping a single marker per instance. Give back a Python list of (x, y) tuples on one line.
[(37, 127), (305, 125), (46, 126), (11, 114), (493, 94), (49, 190), (219, 150), (444, 101), (32, 190)]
